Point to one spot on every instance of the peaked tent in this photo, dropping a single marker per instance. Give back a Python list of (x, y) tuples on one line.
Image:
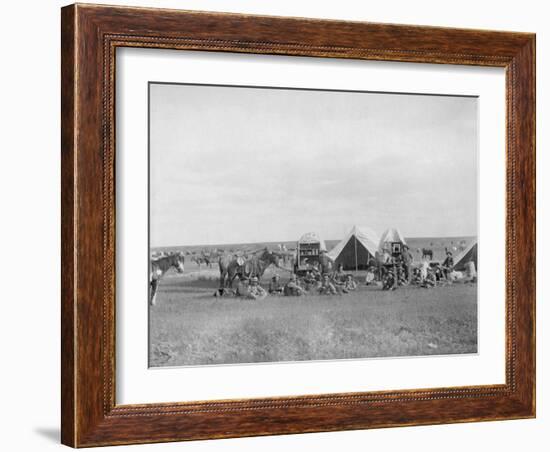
[(391, 235), (469, 253), (356, 249)]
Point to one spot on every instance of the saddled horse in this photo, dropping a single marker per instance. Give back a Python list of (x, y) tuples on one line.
[(427, 252), (252, 265), (158, 267)]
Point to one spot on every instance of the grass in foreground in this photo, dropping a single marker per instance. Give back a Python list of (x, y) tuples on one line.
[(191, 327)]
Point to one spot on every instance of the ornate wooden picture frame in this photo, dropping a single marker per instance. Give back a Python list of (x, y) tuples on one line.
[(90, 37)]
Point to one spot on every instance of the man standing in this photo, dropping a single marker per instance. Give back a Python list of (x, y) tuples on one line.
[(448, 265), (424, 266), (407, 259), (324, 262)]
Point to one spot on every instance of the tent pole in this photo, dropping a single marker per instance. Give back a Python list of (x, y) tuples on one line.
[(355, 243)]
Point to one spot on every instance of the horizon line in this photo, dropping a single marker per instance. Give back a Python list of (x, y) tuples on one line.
[(285, 241)]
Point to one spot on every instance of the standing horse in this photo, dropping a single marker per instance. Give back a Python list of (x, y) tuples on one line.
[(255, 265), (427, 252), (158, 267)]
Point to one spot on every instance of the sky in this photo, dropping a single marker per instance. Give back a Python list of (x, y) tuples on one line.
[(244, 165)]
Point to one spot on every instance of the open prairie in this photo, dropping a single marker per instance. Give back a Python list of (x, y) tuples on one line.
[(436, 244), (189, 326)]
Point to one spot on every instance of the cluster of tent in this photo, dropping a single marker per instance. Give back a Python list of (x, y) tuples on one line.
[(361, 245)]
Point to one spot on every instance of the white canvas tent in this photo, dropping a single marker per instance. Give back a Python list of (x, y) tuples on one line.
[(469, 253), (391, 235), (356, 249)]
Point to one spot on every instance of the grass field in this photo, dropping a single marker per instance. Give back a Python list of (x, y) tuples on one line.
[(189, 326)]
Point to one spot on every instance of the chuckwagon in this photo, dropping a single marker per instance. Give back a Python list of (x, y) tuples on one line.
[(392, 243), (390, 253), (308, 252)]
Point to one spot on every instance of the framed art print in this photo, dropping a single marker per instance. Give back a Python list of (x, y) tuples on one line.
[(281, 225)]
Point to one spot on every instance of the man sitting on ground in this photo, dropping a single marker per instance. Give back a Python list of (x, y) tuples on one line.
[(292, 288), (338, 279), (389, 282), (242, 287), (275, 287), (309, 281), (430, 280), (350, 284), (417, 276), (255, 291), (327, 288), (316, 275), (471, 274), (370, 276)]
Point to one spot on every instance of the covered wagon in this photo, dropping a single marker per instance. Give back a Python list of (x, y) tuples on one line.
[(309, 250)]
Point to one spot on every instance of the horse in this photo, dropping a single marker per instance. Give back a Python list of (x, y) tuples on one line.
[(427, 252), (202, 259), (232, 266), (158, 267)]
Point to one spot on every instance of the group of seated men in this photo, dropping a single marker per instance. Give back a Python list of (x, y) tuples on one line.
[(400, 272), (313, 281), (426, 274)]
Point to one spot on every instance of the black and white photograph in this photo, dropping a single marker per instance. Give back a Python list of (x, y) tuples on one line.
[(256, 225), (301, 225)]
